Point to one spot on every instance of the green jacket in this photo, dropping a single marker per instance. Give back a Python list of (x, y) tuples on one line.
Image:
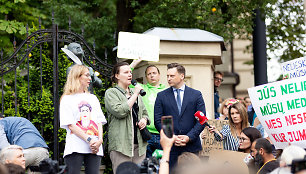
[(120, 121)]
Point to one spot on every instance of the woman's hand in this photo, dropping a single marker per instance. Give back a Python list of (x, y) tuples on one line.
[(212, 129), (94, 145), (142, 123)]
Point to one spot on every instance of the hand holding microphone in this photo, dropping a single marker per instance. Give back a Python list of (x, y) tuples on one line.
[(200, 116), (141, 92)]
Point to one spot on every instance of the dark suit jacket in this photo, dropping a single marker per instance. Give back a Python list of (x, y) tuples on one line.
[(185, 123)]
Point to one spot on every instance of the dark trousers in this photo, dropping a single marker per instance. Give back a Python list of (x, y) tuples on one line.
[(153, 144), (75, 161)]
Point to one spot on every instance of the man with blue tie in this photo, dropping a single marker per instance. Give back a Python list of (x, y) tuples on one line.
[(181, 102)]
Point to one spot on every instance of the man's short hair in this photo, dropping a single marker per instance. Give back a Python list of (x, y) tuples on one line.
[(292, 152), (150, 67), (265, 144), (7, 152), (179, 67), (218, 72)]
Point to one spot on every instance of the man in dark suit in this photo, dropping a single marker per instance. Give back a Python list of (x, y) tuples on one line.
[(181, 102)]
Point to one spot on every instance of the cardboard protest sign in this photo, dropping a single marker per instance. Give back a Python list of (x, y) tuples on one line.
[(232, 161), (281, 109), (294, 68), (134, 45), (209, 143)]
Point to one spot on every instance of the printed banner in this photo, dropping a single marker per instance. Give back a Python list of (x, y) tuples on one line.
[(294, 68), (134, 45), (281, 109), (209, 143)]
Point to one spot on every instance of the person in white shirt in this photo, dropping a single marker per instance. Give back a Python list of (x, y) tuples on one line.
[(82, 117)]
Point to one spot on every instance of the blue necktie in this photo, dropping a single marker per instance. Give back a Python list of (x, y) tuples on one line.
[(178, 100)]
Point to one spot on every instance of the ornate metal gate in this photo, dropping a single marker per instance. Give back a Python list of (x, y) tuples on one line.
[(22, 55)]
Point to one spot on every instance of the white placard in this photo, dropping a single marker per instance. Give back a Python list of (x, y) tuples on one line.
[(281, 109), (134, 45), (294, 68)]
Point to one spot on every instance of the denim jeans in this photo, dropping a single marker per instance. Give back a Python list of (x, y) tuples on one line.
[(153, 144)]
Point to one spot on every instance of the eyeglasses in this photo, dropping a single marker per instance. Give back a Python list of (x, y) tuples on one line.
[(218, 79)]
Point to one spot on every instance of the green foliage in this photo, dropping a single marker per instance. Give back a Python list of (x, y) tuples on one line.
[(96, 17), (14, 17), (228, 19), (286, 30)]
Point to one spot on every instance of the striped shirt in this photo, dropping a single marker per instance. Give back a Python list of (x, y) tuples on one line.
[(229, 141)]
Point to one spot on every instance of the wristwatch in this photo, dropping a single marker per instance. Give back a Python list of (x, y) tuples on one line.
[(163, 161), (88, 139)]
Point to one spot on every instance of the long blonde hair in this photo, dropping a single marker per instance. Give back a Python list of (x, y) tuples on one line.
[(73, 85)]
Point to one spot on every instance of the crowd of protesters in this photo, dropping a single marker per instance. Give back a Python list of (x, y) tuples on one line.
[(130, 115)]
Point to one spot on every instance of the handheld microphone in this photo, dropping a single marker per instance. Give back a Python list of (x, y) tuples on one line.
[(142, 92), (201, 118)]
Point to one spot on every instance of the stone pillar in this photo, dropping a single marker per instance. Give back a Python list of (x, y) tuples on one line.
[(199, 59)]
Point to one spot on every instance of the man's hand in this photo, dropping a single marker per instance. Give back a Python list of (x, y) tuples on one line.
[(181, 140)]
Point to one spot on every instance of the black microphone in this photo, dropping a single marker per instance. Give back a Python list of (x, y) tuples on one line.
[(142, 92)]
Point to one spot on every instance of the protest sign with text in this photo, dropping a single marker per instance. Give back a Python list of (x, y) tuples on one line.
[(209, 143), (294, 68), (134, 45), (281, 109)]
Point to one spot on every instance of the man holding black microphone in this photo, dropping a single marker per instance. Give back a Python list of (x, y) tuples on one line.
[(181, 102)]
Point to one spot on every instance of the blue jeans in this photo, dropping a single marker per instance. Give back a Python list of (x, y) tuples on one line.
[(153, 144)]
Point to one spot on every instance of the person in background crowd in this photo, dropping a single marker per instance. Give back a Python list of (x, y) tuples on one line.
[(152, 88), (127, 115), (238, 120), (223, 110), (20, 131), (181, 102), (218, 79), (261, 151), (247, 137), (82, 117), (13, 154), (247, 101), (289, 154)]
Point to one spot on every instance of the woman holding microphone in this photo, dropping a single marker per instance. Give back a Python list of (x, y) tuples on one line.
[(127, 115), (238, 120)]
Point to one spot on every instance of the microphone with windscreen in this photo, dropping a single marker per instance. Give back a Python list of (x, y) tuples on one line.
[(200, 116), (142, 92)]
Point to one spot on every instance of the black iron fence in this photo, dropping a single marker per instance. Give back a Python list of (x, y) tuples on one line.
[(28, 69)]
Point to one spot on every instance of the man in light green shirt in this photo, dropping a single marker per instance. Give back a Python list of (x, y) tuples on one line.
[(152, 88)]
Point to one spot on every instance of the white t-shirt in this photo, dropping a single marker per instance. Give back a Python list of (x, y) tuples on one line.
[(83, 110)]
